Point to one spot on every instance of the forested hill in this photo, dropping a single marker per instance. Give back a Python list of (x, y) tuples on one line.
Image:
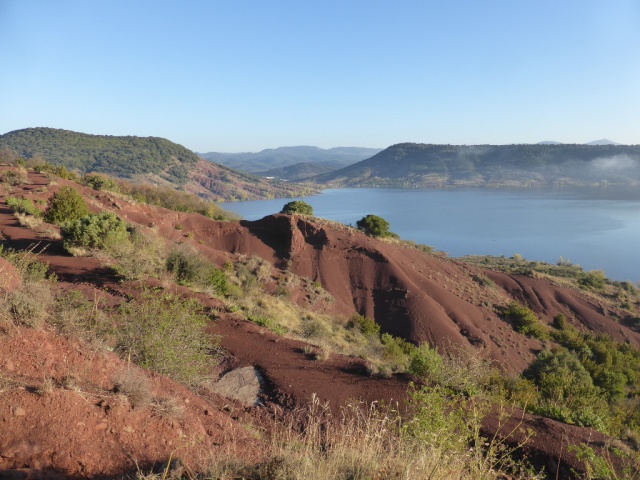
[(416, 165), (120, 156), (146, 160)]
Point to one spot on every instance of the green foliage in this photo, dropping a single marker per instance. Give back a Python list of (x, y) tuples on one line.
[(612, 464), (438, 418), (66, 205), (425, 362), (592, 280), (58, 170), (374, 225), (297, 207), (99, 182), (165, 333), (22, 205), (525, 321), (366, 325), (566, 389), (31, 269), (175, 200), (94, 231), (189, 268), (120, 156)]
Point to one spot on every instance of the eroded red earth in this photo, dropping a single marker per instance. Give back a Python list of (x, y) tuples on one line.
[(82, 428)]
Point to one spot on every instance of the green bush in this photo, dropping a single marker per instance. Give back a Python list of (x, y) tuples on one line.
[(189, 268), (566, 389), (375, 226), (525, 321), (425, 362), (66, 205), (297, 206), (58, 170), (99, 182), (22, 205), (94, 231), (31, 269), (594, 279), (366, 325), (165, 333)]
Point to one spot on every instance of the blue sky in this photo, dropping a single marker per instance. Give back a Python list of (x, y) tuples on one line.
[(247, 75)]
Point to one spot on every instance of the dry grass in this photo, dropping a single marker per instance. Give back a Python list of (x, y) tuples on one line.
[(134, 385), (29, 304), (372, 442), (167, 408), (28, 221)]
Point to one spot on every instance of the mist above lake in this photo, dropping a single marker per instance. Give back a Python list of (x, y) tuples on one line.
[(597, 228)]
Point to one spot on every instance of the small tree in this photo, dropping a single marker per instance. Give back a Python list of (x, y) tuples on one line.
[(66, 205), (95, 231), (374, 225), (299, 207)]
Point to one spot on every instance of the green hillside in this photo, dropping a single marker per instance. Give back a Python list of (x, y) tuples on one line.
[(412, 164), (120, 156)]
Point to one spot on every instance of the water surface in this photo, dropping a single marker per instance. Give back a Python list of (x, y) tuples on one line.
[(597, 228)]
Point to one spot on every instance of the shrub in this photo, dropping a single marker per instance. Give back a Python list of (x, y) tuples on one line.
[(94, 231), (366, 325), (189, 268), (14, 177), (425, 362), (28, 305), (31, 269), (99, 182), (134, 385), (594, 279), (66, 205), (374, 225), (525, 321), (566, 388), (297, 206), (22, 205), (165, 333), (58, 170)]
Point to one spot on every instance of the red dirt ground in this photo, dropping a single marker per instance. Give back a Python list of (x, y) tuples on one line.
[(421, 297)]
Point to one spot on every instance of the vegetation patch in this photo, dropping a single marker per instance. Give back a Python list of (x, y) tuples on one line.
[(164, 333), (94, 231), (524, 321), (66, 205), (297, 207), (22, 205)]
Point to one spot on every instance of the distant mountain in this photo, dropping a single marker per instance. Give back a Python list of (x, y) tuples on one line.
[(420, 165), (286, 156), (604, 141), (300, 171), (144, 159), (549, 142)]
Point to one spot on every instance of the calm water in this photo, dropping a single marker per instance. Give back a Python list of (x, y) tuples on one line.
[(595, 228)]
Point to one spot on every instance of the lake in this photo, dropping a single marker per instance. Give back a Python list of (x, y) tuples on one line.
[(597, 228)]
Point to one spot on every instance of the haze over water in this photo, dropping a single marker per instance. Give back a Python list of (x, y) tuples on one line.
[(597, 228)]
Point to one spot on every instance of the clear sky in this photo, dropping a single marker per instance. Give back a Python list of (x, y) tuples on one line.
[(244, 75)]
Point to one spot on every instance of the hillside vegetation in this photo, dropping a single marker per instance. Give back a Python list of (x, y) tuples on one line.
[(118, 311), (142, 159), (422, 165)]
